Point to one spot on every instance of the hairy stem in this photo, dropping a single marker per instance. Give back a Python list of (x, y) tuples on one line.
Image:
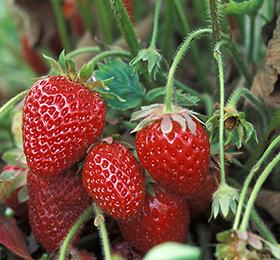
[(156, 21), (249, 178), (100, 223), (178, 57), (80, 51), (103, 21), (74, 229), (262, 228), (12, 102), (109, 54), (194, 52), (214, 6), (268, 169), (61, 25), (239, 92), (219, 60), (125, 26)]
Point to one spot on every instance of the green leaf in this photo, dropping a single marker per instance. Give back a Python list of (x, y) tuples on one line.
[(125, 84), (242, 6), (155, 93), (61, 60), (11, 103), (23, 194), (173, 251)]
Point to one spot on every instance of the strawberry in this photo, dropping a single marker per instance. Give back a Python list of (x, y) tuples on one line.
[(61, 119), (12, 201), (164, 217), (176, 157), (114, 179), (54, 206), (201, 201)]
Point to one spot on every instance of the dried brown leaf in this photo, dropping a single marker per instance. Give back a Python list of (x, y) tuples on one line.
[(266, 82)]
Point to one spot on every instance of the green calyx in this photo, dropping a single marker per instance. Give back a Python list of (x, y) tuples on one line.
[(237, 129), (224, 201), (147, 58), (65, 66)]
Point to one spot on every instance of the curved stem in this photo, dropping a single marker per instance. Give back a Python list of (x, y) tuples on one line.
[(256, 189), (67, 241), (262, 228), (109, 54), (100, 223), (239, 92), (125, 26), (249, 178), (218, 57), (61, 25), (12, 102), (194, 52), (155, 28), (179, 56), (80, 51)]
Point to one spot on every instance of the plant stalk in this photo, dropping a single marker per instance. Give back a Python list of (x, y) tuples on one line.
[(100, 223), (155, 28), (178, 57), (249, 178), (256, 189), (219, 60), (109, 54), (77, 52), (215, 14), (125, 26), (74, 229)]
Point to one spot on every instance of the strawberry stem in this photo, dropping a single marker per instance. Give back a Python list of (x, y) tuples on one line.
[(125, 26), (155, 28), (74, 229), (249, 178), (219, 60), (100, 223), (214, 6), (266, 172), (194, 52), (109, 54), (61, 25), (238, 93), (178, 57), (77, 52)]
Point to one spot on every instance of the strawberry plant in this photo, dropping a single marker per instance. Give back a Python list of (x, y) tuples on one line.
[(124, 137)]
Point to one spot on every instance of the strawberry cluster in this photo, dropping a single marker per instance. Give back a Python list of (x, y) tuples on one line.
[(70, 166)]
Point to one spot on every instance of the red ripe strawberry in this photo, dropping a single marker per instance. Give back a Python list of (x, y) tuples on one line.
[(177, 160), (163, 218), (201, 201), (54, 206), (61, 119), (12, 201), (114, 180)]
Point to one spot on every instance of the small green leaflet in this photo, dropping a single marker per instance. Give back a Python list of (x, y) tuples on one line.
[(173, 251), (125, 84)]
